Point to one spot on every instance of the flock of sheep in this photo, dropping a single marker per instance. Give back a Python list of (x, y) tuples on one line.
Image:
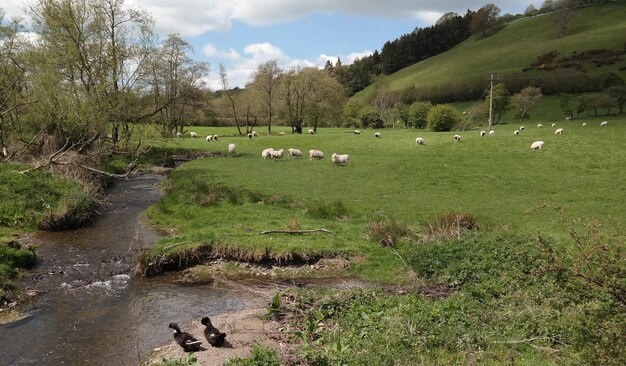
[(342, 159)]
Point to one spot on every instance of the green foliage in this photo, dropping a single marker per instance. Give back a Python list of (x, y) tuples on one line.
[(501, 102), (388, 231), (261, 355), (418, 114), (373, 120), (190, 360), (443, 117), (327, 210), (12, 258)]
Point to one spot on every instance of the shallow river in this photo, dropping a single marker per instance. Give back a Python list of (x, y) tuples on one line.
[(93, 312)]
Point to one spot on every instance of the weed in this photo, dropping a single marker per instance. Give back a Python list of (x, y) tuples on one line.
[(450, 225), (388, 232), (327, 210), (260, 355)]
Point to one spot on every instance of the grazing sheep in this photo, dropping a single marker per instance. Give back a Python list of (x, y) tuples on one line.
[(193, 134), (568, 118), (250, 135), (483, 133), (276, 154), (492, 132), (584, 124), (458, 138), (537, 145), (282, 133), (254, 134), (554, 125), (266, 153), (516, 132), (559, 131), (419, 141), (539, 125), (522, 128), (294, 152), (604, 123), (377, 135), (179, 134), (231, 148), (215, 137), (339, 159), (316, 154), (357, 132), (209, 138), (311, 132)]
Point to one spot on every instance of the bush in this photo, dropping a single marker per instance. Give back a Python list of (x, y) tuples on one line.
[(443, 117), (418, 114), (373, 120)]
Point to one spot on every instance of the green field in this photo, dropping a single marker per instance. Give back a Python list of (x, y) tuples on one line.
[(229, 200), (514, 47)]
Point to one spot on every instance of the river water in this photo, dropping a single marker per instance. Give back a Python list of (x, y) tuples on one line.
[(93, 311)]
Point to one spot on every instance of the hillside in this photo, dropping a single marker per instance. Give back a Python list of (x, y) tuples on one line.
[(514, 48)]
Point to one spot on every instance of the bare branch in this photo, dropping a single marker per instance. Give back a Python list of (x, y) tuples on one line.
[(297, 232)]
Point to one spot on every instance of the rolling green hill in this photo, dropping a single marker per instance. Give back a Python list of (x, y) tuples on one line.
[(515, 47)]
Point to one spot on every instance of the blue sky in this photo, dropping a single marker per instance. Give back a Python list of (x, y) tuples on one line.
[(242, 34)]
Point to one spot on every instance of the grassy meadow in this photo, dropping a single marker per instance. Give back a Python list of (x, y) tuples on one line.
[(228, 201)]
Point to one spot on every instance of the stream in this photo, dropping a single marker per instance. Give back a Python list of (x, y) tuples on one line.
[(93, 311)]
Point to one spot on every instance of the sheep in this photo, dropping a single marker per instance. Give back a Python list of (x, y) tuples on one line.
[(250, 135), (266, 153), (419, 141), (492, 132), (357, 132), (584, 124), (522, 128), (311, 132), (282, 133), (568, 118), (231, 148), (193, 134), (458, 138), (339, 159), (516, 132), (215, 137), (276, 154), (294, 152), (483, 133), (209, 138), (559, 131), (179, 134), (537, 145), (316, 154), (554, 125), (377, 135), (604, 123), (539, 125)]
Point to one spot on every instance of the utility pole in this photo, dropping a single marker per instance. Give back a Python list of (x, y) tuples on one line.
[(490, 100)]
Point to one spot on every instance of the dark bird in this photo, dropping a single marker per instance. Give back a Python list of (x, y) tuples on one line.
[(212, 334), (184, 339)]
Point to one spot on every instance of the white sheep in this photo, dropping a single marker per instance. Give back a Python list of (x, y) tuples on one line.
[(266, 153), (179, 134), (522, 128), (604, 123), (458, 138), (568, 118), (492, 132), (537, 145), (294, 152), (254, 134), (193, 134), (584, 124), (209, 138), (250, 135), (516, 132), (377, 135), (282, 133), (554, 125), (339, 159), (539, 125), (276, 154), (419, 141), (311, 132), (316, 154), (215, 137), (357, 132), (483, 133), (231, 148), (559, 131)]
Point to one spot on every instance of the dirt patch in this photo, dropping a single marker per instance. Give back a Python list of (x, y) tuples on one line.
[(243, 329)]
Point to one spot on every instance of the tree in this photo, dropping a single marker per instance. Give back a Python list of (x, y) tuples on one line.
[(563, 15), (266, 80), (501, 102), (618, 94), (485, 19), (526, 99), (231, 100), (446, 17), (530, 11), (565, 106), (418, 114), (443, 117)]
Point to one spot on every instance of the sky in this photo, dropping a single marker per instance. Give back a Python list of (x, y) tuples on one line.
[(242, 34)]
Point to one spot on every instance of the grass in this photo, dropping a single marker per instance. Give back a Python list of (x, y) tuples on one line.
[(514, 47), (225, 202)]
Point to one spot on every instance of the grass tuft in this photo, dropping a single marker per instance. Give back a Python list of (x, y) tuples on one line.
[(388, 232), (328, 210), (450, 225)]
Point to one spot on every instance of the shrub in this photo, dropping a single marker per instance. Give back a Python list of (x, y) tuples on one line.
[(373, 120), (443, 117), (388, 232), (418, 114), (450, 225)]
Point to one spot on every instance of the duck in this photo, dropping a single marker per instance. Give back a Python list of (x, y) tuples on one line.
[(212, 334), (188, 342)]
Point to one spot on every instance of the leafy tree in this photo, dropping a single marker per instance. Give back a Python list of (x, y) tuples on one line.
[(618, 94), (485, 19), (418, 114), (443, 117), (525, 100), (501, 102), (373, 120), (266, 81), (530, 11), (565, 106)]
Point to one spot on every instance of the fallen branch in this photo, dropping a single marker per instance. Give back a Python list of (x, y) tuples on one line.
[(297, 232)]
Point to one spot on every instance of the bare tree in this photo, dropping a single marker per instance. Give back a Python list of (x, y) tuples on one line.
[(484, 19), (526, 99), (226, 89)]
